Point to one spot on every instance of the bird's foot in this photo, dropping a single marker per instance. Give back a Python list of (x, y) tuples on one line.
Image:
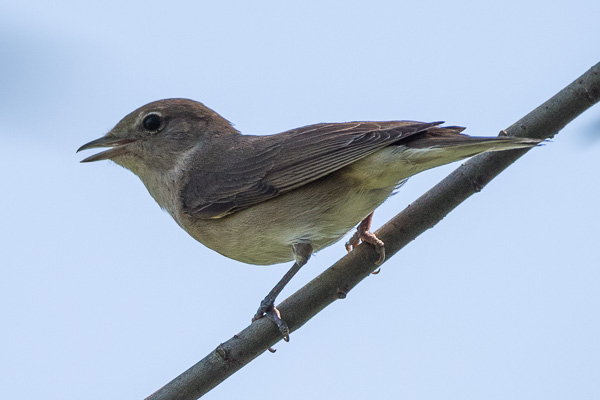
[(268, 309), (353, 242), (369, 237), (363, 234), (302, 252)]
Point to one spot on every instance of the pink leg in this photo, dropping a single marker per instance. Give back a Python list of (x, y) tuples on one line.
[(363, 234)]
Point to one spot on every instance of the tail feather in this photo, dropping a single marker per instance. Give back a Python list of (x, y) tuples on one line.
[(432, 147), (451, 137)]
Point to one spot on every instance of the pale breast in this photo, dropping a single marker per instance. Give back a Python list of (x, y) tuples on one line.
[(320, 213)]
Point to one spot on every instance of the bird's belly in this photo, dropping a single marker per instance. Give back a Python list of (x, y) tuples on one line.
[(320, 213)]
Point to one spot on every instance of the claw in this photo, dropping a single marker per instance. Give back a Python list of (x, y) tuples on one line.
[(272, 313), (363, 234), (353, 242)]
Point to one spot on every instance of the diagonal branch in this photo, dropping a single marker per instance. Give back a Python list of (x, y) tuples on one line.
[(543, 122)]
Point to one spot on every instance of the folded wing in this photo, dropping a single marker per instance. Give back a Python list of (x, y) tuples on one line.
[(263, 167)]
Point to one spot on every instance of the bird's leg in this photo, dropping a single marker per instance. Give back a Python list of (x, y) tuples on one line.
[(363, 234), (302, 252)]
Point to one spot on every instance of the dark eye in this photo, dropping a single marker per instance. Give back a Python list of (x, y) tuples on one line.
[(152, 122)]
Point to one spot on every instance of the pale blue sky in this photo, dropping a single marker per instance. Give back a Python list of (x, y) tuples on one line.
[(103, 296)]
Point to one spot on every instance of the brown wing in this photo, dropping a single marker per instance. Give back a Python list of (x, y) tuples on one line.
[(262, 167)]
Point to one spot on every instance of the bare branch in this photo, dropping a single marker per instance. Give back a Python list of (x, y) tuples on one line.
[(543, 122)]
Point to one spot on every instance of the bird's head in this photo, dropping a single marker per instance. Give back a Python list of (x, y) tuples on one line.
[(159, 134)]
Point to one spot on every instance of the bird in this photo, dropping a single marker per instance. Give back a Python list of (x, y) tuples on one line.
[(268, 199)]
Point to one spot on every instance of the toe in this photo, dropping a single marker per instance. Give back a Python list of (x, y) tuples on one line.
[(381, 251), (274, 315)]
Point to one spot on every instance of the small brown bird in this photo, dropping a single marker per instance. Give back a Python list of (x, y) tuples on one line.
[(276, 198)]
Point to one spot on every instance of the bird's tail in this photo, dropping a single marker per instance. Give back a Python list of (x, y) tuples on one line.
[(462, 146), (437, 146)]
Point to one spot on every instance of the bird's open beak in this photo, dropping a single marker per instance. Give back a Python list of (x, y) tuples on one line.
[(119, 146)]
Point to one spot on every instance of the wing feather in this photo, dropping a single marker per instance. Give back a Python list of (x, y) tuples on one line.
[(259, 168)]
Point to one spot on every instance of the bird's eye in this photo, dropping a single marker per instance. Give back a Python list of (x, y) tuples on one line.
[(152, 122)]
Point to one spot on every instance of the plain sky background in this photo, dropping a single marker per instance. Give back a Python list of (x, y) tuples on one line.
[(103, 296)]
